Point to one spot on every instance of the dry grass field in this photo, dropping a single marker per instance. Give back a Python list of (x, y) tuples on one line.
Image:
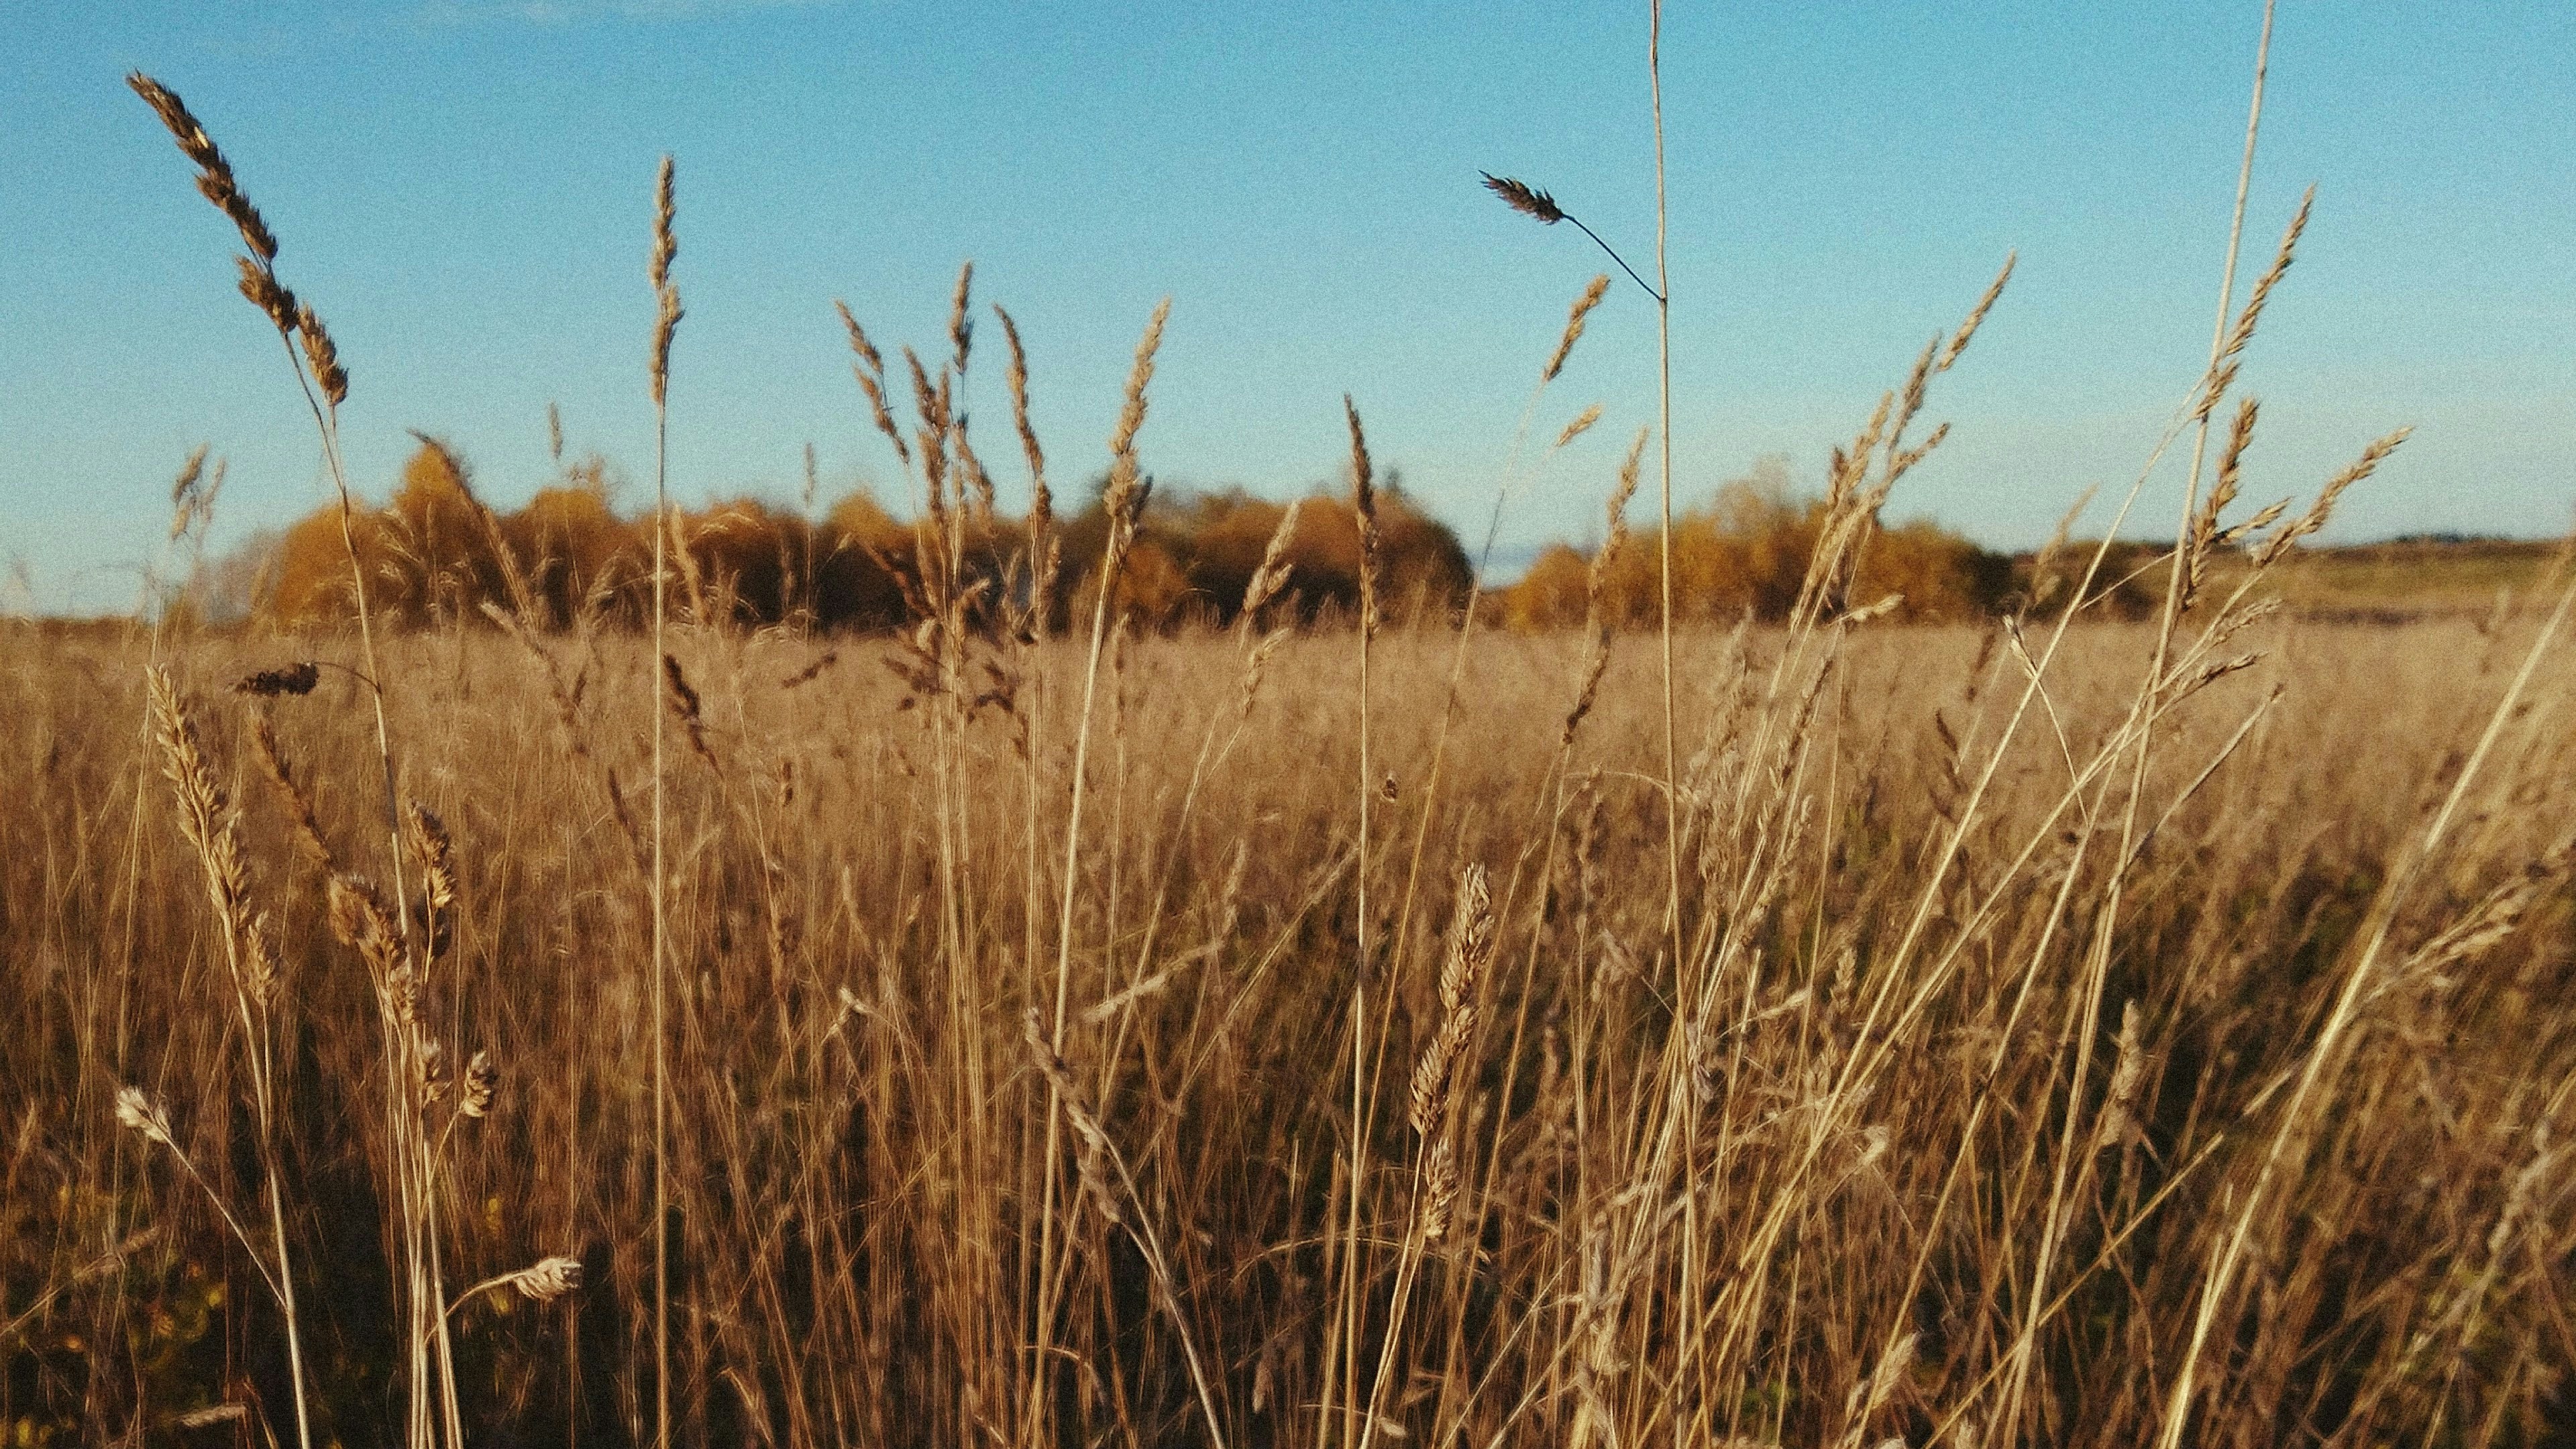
[(1362, 1027), (1944, 1124)]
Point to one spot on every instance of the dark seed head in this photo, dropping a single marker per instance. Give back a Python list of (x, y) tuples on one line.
[(1524, 198), (296, 678)]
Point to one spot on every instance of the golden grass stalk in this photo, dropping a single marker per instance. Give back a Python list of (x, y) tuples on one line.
[(1122, 499), (1042, 549), (1364, 518), (1663, 290), (317, 369), (209, 824), (1429, 1107), (325, 384), (666, 247), (1596, 619)]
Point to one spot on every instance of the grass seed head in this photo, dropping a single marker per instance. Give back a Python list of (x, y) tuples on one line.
[(666, 297), (1520, 196), (1593, 292), (139, 1113)]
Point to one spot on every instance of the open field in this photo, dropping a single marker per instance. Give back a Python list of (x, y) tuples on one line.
[(1957, 1120), (1137, 977), (2411, 579)]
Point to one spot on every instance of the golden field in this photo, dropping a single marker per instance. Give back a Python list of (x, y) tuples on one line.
[(1942, 1123), (528, 996)]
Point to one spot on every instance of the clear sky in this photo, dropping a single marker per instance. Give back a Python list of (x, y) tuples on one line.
[(462, 188)]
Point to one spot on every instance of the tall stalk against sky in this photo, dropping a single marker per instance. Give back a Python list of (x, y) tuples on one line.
[(666, 322), (1532, 202), (325, 385), (1664, 426)]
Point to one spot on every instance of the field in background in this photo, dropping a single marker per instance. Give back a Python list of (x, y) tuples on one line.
[(1907, 1144), (2413, 578)]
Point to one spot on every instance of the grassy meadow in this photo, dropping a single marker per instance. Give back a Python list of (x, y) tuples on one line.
[(1941, 1122), (2123, 1011)]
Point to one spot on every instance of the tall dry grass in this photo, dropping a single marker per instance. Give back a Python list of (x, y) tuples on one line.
[(1869, 1141)]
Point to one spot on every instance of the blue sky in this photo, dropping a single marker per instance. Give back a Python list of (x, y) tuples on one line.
[(462, 187)]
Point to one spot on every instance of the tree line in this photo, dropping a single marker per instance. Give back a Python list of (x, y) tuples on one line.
[(436, 552)]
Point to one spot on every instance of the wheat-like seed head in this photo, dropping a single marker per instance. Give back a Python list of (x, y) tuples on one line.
[(139, 1113), (184, 493), (433, 856), (688, 710), (2323, 508), (2246, 320), (548, 1279), (1123, 497), (1086, 1123), (1041, 503), (1977, 315), (1596, 591), (298, 803), (666, 297), (322, 355), (2479, 928), (1883, 1381), (1520, 196), (1471, 942), (1615, 535), (1471, 946), (482, 1082), (205, 816), (2206, 535), (961, 322), (1910, 397), (429, 1059), (1439, 1192), (263, 977), (1272, 576), (859, 343), (929, 400), (869, 369), (433, 852), (362, 921), (1851, 465), (541, 1282), (2119, 1118), (215, 181), (1904, 461), (978, 482), (1363, 514), (2231, 461), (1581, 424), (269, 295), (1593, 292), (215, 174)]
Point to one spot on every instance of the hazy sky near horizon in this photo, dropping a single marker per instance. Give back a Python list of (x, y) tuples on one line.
[(462, 188)]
